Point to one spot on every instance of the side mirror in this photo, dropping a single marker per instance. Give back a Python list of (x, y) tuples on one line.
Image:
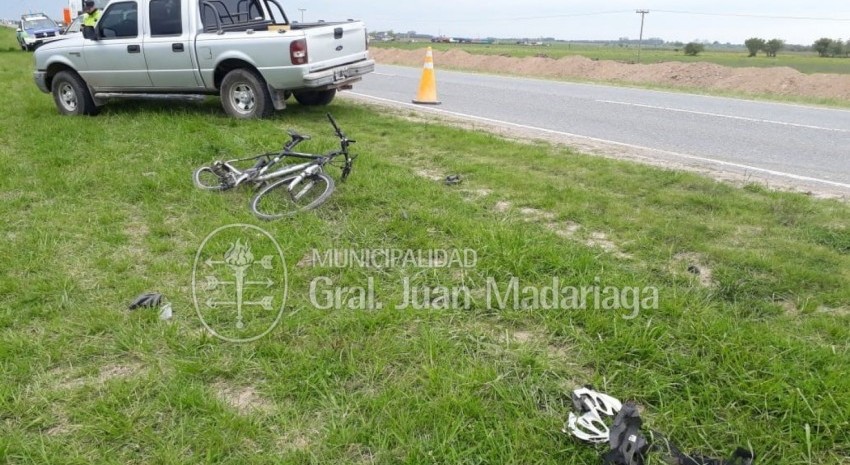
[(18, 30), (89, 33)]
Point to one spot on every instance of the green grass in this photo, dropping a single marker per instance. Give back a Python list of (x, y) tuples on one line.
[(98, 210), (805, 62)]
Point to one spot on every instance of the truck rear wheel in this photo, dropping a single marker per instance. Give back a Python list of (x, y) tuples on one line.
[(315, 97), (71, 95), (244, 95)]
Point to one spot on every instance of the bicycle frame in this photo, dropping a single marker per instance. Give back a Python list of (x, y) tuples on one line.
[(264, 176), (264, 170)]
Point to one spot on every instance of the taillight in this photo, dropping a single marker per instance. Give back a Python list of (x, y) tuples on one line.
[(298, 52)]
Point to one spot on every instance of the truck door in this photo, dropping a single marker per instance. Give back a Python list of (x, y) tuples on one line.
[(168, 46), (116, 60)]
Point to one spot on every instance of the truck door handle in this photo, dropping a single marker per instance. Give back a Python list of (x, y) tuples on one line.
[(176, 47), (134, 49)]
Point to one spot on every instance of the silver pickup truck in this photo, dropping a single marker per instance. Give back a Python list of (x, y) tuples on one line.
[(246, 51)]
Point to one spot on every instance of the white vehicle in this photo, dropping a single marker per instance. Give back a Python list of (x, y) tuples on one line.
[(246, 51)]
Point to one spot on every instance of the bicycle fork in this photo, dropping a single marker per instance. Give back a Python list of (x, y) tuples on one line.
[(295, 182)]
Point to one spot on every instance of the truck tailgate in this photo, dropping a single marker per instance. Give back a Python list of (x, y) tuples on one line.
[(335, 44)]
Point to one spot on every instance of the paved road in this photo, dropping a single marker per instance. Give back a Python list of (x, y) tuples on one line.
[(799, 144)]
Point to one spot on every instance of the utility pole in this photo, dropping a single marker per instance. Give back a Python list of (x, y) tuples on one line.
[(302, 10), (642, 14)]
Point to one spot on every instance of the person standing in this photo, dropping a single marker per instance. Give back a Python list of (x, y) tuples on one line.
[(92, 14)]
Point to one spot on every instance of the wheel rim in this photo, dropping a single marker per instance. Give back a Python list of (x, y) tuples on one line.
[(243, 98), (206, 179), (67, 96), (277, 202)]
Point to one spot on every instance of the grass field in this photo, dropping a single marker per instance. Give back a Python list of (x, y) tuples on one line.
[(753, 350), (803, 62)]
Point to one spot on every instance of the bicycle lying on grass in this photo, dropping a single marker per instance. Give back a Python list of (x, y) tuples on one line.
[(285, 191)]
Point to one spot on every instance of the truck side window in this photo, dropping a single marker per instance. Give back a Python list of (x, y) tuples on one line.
[(119, 21), (165, 18)]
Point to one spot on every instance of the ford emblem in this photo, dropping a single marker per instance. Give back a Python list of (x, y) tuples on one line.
[(339, 48)]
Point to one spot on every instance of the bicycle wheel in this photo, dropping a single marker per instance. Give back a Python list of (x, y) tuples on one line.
[(275, 201), (205, 178)]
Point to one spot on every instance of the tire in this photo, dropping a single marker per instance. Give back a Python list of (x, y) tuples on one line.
[(244, 95), (204, 178), (274, 201), (315, 97), (71, 95)]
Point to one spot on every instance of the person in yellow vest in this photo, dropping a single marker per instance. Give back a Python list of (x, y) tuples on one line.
[(92, 14)]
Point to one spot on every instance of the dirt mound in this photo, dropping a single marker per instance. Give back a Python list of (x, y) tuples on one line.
[(777, 81)]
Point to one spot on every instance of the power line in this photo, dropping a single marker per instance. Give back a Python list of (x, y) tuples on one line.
[(616, 12), (746, 15), (576, 15), (513, 18)]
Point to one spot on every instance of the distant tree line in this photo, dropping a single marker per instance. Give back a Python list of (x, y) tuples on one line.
[(824, 47), (769, 47), (827, 47), (694, 48)]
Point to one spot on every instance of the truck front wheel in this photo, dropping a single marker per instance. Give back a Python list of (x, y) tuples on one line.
[(244, 95), (315, 97), (71, 95)]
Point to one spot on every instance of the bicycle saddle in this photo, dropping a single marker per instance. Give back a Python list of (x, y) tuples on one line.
[(297, 137)]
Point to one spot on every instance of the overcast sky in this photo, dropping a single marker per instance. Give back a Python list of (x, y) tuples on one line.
[(722, 20)]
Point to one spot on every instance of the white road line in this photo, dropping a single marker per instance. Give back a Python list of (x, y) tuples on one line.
[(613, 142), (719, 115)]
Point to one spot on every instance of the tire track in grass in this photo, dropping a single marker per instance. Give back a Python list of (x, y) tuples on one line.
[(564, 229)]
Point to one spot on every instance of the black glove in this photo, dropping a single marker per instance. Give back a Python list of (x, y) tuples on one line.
[(149, 299)]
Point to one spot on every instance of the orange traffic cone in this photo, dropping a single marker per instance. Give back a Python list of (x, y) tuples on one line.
[(428, 83)]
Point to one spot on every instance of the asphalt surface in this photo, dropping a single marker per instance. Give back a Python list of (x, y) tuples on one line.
[(804, 145)]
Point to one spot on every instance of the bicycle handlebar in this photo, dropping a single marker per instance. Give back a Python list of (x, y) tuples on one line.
[(344, 140), (336, 127)]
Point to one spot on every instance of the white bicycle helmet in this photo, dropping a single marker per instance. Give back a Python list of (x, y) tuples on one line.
[(588, 427), (586, 399), (593, 407)]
